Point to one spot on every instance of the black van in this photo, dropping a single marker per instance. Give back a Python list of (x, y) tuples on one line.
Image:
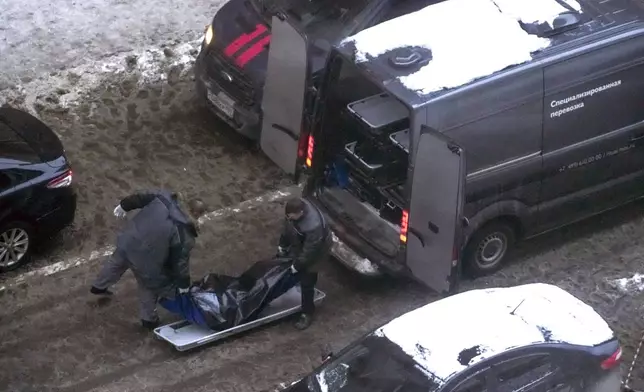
[(548, 114), (231, 68)]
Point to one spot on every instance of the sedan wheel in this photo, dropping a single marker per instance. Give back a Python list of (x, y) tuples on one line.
[(14, 246)]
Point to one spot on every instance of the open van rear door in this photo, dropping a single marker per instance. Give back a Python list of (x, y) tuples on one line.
[(284, 94), (435, 212)]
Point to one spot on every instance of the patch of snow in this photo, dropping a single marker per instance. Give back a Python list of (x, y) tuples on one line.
[(531, 11), (446, 336), (469, 39), (43, 36), (151, 66), (634, 284)]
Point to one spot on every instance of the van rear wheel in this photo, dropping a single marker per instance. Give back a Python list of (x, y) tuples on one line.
[(487, 250)]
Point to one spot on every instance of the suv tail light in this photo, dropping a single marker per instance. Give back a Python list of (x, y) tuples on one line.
[(62, 181), (613, 360), (404, 226), (309, 151)]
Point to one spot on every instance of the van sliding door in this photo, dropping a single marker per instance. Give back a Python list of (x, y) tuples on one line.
[(435, 213)]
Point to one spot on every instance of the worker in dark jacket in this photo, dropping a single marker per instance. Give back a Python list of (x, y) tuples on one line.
[(156, 246), (307, 239)]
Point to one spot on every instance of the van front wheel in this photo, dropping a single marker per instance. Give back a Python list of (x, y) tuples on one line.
[(488, 248)]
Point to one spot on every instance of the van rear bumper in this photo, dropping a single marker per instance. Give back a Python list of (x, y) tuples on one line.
[(355, 253), (350, 259)]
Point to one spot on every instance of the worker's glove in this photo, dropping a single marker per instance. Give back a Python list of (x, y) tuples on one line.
[(183, 291), (293, 269), (119, 212), (281, 251)]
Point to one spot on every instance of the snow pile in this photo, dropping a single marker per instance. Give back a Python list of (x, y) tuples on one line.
[(531, 11), (634, 284), (469, 39)]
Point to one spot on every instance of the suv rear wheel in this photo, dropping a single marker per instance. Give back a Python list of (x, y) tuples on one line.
[(487, 250), (15, 245)]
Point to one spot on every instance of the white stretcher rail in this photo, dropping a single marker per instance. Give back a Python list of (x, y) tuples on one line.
[(184, 335)]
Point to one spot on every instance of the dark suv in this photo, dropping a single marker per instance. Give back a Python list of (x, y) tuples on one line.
[(231, 67), (36, 196)]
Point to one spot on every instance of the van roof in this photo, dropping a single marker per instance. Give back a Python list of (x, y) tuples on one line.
[(449, 335), (453, 43)]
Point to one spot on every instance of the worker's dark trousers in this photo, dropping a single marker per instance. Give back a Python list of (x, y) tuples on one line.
[(307, 283), (112, 271)]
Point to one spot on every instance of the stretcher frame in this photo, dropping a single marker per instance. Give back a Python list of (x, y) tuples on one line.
[(184, 335)]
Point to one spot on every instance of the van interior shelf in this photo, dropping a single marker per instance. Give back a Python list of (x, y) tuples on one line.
[(351, 149), (401, 139), (379, 112)]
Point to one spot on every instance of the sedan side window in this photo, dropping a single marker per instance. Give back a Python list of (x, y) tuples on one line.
[(522, 374), (472, 384)]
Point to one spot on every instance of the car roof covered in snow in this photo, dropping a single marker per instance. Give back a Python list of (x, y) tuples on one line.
[(450, 44), (483, 323)]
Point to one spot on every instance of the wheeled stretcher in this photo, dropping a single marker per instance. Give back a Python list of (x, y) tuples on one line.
[(184, 335)]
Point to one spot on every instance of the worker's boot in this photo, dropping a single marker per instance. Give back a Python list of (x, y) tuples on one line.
[(304, 321), (97, 291), (149, 325)]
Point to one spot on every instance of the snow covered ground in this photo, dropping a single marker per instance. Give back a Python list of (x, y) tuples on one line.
[(38, 38)]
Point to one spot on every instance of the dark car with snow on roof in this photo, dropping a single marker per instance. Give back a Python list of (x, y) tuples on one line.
[(232, 65), (533, 337)]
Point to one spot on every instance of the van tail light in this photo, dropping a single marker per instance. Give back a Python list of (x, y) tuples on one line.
[(404, 226), (62, 181), (309, 151), (455, 256), (612, 361), (301, 147)]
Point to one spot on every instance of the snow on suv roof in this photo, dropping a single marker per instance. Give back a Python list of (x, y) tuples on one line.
[(478, 324), (468, 39)]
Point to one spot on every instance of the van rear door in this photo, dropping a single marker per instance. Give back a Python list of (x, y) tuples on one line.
[(435, 211), (284, 94)]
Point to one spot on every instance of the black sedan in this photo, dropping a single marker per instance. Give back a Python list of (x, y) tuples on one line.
[(36, 196), (534, 337)]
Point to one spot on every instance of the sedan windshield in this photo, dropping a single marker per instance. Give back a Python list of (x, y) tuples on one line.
[(374, 364)]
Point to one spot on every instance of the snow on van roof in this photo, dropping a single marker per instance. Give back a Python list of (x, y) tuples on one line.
[(469, 39), (446, 336)]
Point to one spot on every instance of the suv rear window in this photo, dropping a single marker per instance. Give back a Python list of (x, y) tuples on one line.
[(14, 147)]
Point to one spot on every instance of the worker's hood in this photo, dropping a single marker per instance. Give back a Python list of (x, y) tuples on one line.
[(176, 214), (242, 34)]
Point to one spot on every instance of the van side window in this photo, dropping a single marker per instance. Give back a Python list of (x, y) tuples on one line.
[(495, 122), (594, 93)]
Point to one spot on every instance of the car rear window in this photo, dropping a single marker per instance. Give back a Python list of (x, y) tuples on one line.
[(38, 136), (375, 364), (14, 147)]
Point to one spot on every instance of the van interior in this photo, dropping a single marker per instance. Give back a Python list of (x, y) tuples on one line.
[(365, 134)]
